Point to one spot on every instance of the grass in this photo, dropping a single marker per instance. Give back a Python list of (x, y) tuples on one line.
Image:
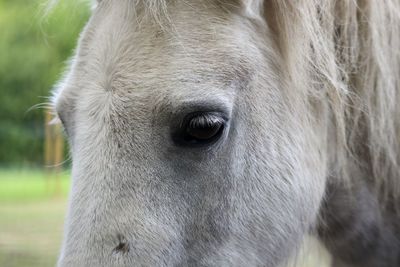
[(31, 185), (32, 210)]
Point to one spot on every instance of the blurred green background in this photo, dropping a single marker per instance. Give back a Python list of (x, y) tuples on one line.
[(34, 46)]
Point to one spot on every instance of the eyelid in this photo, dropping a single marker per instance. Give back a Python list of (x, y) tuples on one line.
[(220, 106)]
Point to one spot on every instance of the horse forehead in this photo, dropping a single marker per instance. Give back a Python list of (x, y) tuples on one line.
[(161, 62), (168, 29), (123, 53)]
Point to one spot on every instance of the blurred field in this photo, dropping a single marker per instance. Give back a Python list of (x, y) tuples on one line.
[(31, 217), (34, 46), (29, 185)]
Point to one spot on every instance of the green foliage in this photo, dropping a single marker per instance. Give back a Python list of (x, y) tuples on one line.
[(33, 51)]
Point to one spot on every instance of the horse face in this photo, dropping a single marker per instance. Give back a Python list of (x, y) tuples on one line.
[(188, 146)]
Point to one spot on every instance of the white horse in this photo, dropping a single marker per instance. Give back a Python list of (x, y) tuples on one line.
[(221, 132)]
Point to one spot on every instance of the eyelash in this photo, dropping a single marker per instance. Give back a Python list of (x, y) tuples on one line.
[(199, 121), (204, 120)]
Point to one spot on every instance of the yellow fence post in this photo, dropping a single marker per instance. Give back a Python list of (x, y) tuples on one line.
[(53, 154)]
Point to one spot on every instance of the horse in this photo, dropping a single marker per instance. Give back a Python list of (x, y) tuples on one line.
[(223, 132)]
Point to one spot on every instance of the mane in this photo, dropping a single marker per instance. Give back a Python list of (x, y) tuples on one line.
[(353, 60)]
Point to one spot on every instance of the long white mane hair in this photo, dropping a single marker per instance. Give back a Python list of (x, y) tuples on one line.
[(350, 50)]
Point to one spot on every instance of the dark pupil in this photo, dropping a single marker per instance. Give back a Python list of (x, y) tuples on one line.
[(202, 130)]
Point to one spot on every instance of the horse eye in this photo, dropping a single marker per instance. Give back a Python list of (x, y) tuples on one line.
[(201, 129)]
